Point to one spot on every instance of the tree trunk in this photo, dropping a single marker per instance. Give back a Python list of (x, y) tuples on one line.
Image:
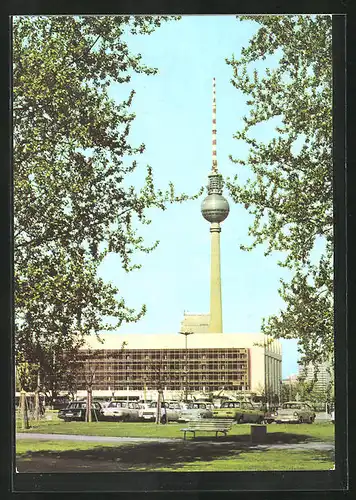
[(88, 409), (37, 399), (158, 414), (37, 404), (165, 408), (24, 412)]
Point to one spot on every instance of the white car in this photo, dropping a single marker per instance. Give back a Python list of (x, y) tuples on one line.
[(105, 404), (173, 411), (117, 410), (196, 410), (294, 412)]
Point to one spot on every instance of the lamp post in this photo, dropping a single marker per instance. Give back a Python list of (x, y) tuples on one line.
[(186, 360)]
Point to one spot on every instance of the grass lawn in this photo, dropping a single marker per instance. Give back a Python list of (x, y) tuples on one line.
[(180, 456), (261, 461), (26, 447), (296, 432), (231, 453)]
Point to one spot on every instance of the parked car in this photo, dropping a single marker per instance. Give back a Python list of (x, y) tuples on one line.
[(196, 410), (76, 410), (60, 403), (105, 403), (241, 411), (122, 410), (116, 410), (134, 409), (173, 411), (270, 415), (294, 412)]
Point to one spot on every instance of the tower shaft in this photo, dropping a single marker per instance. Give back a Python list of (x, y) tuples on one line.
[(215, 325), (215, 209)]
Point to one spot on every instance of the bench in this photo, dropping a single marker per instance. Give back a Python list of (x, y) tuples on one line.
[(216, 425)]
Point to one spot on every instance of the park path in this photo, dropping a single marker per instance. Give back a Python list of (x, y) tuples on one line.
[(311, 445), (98, 439)]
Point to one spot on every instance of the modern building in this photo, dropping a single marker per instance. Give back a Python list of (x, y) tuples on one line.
[(205, 363), (321, 374), (206, 360)]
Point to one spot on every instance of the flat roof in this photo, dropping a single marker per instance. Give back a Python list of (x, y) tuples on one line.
[(178, 341)]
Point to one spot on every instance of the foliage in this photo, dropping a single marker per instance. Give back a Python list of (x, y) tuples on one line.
[(317, 431), (26, 376), (265, 394), (73, 162), (290, 177), (306, 390)]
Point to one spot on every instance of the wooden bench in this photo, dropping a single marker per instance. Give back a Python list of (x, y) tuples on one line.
[(216, 425)]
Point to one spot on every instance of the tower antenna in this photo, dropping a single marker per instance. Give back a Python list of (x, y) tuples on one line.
[(214, 157)]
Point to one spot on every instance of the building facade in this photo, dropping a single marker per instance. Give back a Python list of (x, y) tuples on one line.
[(322, 374), (202, 363)]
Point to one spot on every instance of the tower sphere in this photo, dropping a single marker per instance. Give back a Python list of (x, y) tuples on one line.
[(215, 208)]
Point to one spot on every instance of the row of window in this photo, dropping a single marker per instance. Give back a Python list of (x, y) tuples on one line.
[(212, 366), (165, 355), (168, 378), (172, 387)]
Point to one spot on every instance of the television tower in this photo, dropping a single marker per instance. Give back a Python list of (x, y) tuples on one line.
[(215, 209)]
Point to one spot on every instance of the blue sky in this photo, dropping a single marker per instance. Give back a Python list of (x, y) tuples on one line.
[(173, 119)]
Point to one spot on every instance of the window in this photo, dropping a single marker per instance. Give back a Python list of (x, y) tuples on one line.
[(291, 406)]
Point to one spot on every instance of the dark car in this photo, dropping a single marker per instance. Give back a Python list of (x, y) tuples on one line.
[(60, 403), (76, 411)]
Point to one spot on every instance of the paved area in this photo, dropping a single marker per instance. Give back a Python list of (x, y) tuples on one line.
[(98, 439), (311, 445)]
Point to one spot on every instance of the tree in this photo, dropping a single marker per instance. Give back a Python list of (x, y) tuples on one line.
[(289, 186), (155, 377), (266, 395), (288, 391), (88, 366), (73, 163)]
